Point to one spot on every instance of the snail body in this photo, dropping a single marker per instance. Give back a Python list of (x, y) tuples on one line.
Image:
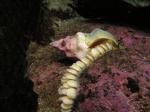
[(97, 44)]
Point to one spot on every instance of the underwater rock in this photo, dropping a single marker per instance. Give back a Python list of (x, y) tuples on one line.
[(120, 85), (60, 8), (120, 81), (117, 82), (131, 11)]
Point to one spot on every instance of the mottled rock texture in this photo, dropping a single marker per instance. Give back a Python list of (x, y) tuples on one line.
[(117, 82)]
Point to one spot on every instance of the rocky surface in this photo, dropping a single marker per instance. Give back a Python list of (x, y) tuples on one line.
[(117, 82), (120, 81)]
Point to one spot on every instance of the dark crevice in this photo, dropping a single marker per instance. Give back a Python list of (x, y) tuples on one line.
[(132, 85)]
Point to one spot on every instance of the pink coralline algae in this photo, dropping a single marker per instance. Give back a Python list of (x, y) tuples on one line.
[(44, 74), (113, 87), (119, 81)]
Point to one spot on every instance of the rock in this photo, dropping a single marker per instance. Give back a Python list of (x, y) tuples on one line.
[(120, 81), (117, 10)]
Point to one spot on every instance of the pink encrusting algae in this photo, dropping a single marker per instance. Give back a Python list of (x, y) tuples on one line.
[(126, 74), (117, 82), (122, 79)]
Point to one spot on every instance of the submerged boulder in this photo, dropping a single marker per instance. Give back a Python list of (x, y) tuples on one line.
[(119, 81)]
